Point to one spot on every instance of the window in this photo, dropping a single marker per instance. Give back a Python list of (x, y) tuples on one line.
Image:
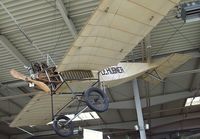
[(82, 117), (192, 101)]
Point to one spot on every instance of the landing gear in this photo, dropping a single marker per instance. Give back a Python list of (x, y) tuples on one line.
[(45, 76), (96, 99), (63, 126)]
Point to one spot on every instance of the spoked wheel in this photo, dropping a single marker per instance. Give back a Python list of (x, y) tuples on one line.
[(96, 99), (61, 127)]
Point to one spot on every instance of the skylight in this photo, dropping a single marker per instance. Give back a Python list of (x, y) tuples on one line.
[(82, 117), (192, 101)]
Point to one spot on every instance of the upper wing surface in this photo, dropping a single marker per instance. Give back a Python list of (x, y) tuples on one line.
[(113, 30)]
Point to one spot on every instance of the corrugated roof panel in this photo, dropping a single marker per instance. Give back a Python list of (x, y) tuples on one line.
[(172, 35), (43, 23)]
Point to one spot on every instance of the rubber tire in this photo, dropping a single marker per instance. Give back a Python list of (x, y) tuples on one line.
[(55, 126), (100, 92)]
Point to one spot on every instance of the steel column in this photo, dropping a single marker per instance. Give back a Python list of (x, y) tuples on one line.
[(139, 110)]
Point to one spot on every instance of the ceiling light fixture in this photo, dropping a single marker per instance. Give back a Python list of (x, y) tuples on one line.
[(190, 11)]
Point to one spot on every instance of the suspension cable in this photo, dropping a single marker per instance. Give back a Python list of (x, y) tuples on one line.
[(21, 29)]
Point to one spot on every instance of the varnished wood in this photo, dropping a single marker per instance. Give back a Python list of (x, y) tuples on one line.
[(39, 84)]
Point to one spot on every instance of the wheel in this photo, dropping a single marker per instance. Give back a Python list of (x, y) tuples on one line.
[(61, 127), (96, 99)]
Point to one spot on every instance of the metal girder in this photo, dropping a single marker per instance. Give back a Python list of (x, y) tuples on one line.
[(157, 100), (178, 126), (184, 73), (22, 83), (129, 104), (16, 84), (193, 54), (171, 119), (8, 45), (18, 96), (8, 118), (195, 77), (4, 112), (2, 95), (193, 136), (64, 13), (156, 122)]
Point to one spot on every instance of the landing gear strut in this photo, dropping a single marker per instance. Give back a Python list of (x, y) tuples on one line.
[(95, 99)]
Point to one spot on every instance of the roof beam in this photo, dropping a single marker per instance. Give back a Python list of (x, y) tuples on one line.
[(129, 104), (18, 96), (5, 112), (193, 136), (156, 122), (8, 45), (195, 77), (22, 83), (64, 13), (157, 100), (178, 126), (9, 90), (184, 72)]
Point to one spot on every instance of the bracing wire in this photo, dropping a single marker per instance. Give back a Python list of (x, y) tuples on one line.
[(21, 29), (168, 40), (26, 35), (60, 34)]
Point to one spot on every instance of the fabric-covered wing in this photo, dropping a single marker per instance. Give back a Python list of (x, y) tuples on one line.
[(114, 29), (38, 110), (167, 66), (131, 71)]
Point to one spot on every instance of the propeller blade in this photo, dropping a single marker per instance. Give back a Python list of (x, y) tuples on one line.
[(18, 75), (21, 76), (41, 85)]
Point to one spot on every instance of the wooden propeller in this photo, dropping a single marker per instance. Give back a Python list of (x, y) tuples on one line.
[(20, 76)]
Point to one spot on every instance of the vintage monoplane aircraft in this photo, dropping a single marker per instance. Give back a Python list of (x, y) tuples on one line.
[(113, 30)]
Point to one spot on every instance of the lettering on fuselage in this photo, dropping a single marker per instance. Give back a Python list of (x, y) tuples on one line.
[(112, 70)]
